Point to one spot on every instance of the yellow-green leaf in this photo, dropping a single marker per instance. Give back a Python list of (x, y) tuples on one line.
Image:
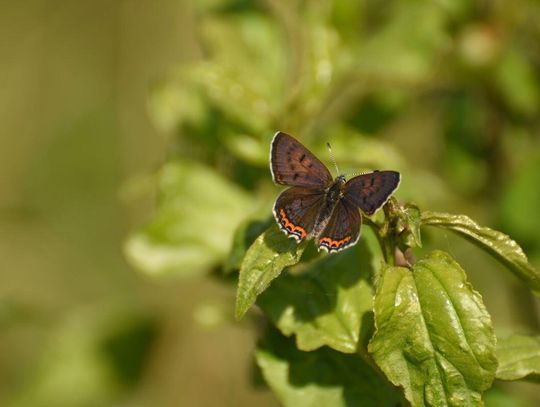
[(266, 258), (193, 226), (433, 334), (499, 245)]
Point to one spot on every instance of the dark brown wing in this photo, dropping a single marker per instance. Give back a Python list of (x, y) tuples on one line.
[(343, 229), (296, 210), (293, 164), (371, 191)]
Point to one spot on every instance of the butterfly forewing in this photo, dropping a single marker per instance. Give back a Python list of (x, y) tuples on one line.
[(343, 228), (370, 191), (296, 209), (293, 164)]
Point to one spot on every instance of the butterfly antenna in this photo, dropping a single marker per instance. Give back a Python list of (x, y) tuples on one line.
[(356, 173), (332, 157)]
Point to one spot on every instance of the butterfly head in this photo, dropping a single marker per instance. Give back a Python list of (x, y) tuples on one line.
[(339, 183)]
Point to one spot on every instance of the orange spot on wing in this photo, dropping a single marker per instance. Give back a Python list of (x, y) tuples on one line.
[(291, 227), (334, 244)]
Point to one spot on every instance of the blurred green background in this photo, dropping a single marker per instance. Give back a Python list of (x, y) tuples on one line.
[(114, 116)]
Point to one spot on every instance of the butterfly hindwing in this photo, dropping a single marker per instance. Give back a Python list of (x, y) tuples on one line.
[(370, 191), (293, 164), (296, 210), (342, 230)]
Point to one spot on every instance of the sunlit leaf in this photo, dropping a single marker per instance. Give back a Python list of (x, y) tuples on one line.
[(244, 236), (355, 152), (499, 245), (244, 49), (519, 357), (194, 223), (176, 103), (250, 149), (330, 303), (321, 378), (271, 252), (401, 51), (433, 334)]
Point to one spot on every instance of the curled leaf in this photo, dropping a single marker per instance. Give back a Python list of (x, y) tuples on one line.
[(496, 243), (266, 258)]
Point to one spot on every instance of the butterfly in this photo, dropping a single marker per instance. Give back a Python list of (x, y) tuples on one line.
[(318, 206)]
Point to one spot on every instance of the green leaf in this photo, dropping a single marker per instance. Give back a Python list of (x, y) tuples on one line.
[(499, 245), (403, 52), (519, 357), (434, 336), (244, 236), (244, 77), (408, 225), (193, 227), (271, 252), (329, 304), (321, 378)]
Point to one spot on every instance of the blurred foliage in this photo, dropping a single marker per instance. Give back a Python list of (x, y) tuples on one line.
[(447, 93)]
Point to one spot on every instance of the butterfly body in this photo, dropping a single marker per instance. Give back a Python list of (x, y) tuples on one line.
[(318, 206), (332, 195)]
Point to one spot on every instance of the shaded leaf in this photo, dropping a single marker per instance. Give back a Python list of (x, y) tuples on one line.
[(434, 336), (499, 245), (321, 378), (271, 252), (496, 397), (193, 226), (519, 357), (330, 303)]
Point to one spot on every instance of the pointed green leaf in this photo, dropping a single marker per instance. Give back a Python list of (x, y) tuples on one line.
[(434, 336), (519, 357), (499, 245), (328, 303), (271, 252), (321, 378), (193, 227), (244, 236)]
